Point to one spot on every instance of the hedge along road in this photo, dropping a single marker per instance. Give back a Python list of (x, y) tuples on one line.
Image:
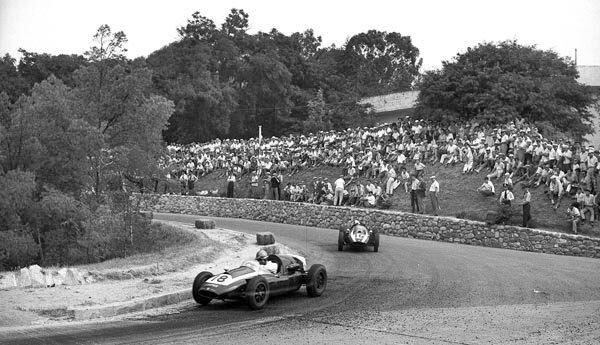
[(412, 291)]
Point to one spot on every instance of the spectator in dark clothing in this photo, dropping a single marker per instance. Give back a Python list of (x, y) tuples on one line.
[(230, 184), (275, 186)]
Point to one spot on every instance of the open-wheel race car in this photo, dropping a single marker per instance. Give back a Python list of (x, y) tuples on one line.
[(256, 284), (358, 236)]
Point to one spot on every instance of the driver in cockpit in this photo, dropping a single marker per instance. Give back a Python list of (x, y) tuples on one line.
[(264, 266)]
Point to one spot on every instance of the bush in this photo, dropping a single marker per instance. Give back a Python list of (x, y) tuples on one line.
[(17, 249), (60, 220)]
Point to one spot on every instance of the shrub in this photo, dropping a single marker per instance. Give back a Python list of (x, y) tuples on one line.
[(17, 249)]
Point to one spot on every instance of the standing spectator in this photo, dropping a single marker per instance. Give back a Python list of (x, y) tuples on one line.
[(267, 187), (421, 195), (230, 184), (526, 206), (191, 180), (556, 191), (183, 179), (506, 198), (339, 191), (414, 203), (254, 185), (391, 178), (434, 190), (275, 186)]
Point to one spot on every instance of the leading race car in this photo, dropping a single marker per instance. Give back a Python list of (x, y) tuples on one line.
[(358, 236), (255, 285)]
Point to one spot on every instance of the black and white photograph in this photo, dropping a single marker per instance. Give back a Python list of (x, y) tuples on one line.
[(299, 172)]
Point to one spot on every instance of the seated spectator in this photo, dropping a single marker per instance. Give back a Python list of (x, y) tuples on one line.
[(589, 203), (507, 182), (574, 216), (487, 188), (367, 201)]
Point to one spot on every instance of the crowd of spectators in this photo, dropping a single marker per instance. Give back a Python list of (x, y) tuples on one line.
[(380, 161)]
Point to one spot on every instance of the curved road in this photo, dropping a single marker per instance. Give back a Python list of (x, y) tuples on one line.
[(412, 291)]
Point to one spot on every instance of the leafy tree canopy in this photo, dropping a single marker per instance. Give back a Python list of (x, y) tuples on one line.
[(499, 82), (225, 82)]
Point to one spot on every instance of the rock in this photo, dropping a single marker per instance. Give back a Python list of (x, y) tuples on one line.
[(78, 275), (24, 278), (58, 280), (204, 224), (49, 280), (88, 278), (37, 277), (265, 238), (8, 281), (68, 277)]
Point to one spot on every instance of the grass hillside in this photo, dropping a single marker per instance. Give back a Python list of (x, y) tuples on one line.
[(458, 195)]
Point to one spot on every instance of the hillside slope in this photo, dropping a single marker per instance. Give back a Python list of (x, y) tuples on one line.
[(458, 195)]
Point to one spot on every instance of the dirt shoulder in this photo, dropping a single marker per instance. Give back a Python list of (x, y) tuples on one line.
[(130, 282)]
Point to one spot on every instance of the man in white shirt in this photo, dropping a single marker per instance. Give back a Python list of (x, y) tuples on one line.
[(434, 190), (588, 204), (487, 188), (575, 214), (339, 191), (506, 197)]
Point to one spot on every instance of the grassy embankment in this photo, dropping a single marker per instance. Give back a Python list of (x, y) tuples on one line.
[(172, 249), (458, 197)]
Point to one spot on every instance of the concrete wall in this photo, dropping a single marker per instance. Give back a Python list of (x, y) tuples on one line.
[(389, 222)]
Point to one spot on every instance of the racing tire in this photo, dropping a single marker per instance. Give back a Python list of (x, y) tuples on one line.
[(257, 292), (376, 243), (198, 281), (317, 280), (341, 241)]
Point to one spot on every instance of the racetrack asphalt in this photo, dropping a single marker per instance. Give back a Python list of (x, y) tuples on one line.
[(411, 292)]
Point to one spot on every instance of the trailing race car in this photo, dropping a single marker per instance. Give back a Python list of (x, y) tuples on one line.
[(256, 284), (358, 236)]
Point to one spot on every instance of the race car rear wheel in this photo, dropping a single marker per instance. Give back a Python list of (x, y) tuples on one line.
[(257, 292), (200, 279), (376, 243), (317, 280), (341, 241)]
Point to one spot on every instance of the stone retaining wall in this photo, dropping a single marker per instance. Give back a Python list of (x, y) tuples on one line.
[(392, 223)]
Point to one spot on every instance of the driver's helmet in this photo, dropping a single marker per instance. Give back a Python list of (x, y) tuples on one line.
[(261, 255)]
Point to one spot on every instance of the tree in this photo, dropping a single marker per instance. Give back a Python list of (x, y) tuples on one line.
[(236, 23), (114, 98), (109, 46), (499, 82), (35, 68), (198, 28), (11, 82), (380, 62), (316, 114)]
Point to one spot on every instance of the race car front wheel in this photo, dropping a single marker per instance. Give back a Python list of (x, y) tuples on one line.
[(317, 280), (376, 243), (341, 241), (257, 292), (200, 279)]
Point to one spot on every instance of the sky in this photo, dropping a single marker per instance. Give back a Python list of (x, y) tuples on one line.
[(439, 28)]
